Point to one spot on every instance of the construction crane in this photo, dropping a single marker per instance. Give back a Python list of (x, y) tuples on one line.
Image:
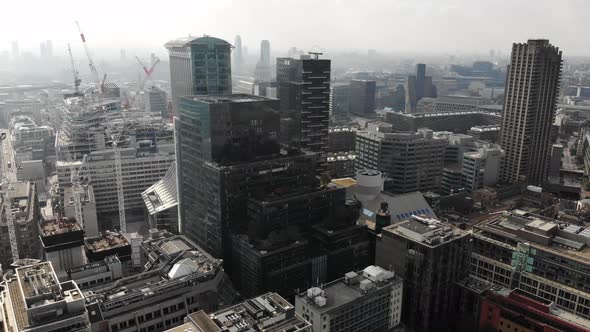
[(77, 175), (119, 177), (91, 64), (77, 79), (141, 82), (7, 207)]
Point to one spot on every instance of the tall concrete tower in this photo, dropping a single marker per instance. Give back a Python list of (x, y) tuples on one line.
[(265, 52), (532, 86)]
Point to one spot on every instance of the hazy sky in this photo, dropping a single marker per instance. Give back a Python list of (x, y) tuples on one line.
[(437, 26)]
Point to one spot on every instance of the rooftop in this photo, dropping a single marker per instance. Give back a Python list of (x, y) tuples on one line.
[(174, 262), (540, 232), (234, 98), (425, 230), (33, 292), (345, 290), (110, 240), (268, 312), (186, 41), (58, 226)]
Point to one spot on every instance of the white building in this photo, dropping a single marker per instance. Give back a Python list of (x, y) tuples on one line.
[(368, 300), (482, 167)]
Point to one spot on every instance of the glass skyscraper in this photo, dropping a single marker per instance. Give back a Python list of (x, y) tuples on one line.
[(199, 66)]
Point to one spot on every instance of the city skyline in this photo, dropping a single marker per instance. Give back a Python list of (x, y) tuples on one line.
[(380, 25)]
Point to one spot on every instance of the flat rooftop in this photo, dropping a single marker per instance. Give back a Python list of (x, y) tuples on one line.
[(234, 98), (540, 232), (268, 312), (58, 226), (343, 291), (425, 230), (109, 240)]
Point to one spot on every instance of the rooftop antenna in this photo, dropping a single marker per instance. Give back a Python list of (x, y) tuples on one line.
[(316, 55)]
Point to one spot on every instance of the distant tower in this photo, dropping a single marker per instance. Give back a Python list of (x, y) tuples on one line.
[(262, 70), (42, 50), (49, 48), (417, 87), (237, 55), (15, 50), (122, 55), (265, 52), (532, 86)]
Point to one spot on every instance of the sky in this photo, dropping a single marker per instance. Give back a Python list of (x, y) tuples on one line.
[(389, 26)]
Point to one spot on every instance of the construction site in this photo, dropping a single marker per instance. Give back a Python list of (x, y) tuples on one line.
[(86, 152)]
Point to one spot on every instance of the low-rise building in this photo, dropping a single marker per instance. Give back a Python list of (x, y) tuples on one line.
[(268, 312), (539, 255), (368, 300), (33, 300), (179, 279), (63, 243)]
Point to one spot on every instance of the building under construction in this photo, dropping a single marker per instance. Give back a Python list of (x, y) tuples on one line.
[(145, 151)]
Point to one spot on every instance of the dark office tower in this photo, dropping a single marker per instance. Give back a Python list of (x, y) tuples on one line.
[(238, 55), (362, 97), (431, 256), (417, 87), (532, 86), (226, 146), (199, 66), (304, 89)]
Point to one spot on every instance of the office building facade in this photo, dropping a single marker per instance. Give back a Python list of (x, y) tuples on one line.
[(339, 102), (541, 256), (431, 256), (412, 161), (532, 86), (304, 91), (362, 97), (221, 141), (199, 66)]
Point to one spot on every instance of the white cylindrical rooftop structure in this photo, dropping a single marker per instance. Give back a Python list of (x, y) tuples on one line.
[(369, 183)]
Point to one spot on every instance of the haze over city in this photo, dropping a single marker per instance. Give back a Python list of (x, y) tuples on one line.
[(392, 26)]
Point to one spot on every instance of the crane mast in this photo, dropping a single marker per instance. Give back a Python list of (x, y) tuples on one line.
[(77, 79), (91, 64)]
